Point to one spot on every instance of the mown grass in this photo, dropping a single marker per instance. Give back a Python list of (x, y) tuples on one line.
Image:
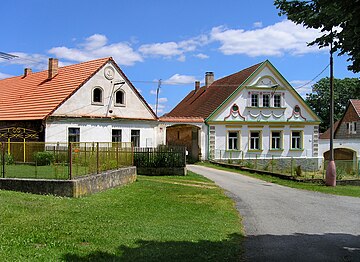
[(154, 219), (343, 190)]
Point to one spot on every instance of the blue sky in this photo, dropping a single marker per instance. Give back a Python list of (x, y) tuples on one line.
[(175, 41)]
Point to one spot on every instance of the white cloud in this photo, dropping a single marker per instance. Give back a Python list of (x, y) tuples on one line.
[(275, 40), (182, 58), (178, 79), (161, 49), (258, 24), (3, 75), (153, 91), (173, 49), (303, 87), (96, 46), (201, 56), (34, 61), (163, 100), (160, 109)]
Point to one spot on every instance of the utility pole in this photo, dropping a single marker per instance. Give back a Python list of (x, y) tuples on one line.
[(157, 97), (331, 168)]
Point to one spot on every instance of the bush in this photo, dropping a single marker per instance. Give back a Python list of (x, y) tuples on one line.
[(9, 159), (43, 158)]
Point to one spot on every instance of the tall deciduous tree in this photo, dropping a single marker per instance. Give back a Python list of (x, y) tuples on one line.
[(318, 100), (338, 20)]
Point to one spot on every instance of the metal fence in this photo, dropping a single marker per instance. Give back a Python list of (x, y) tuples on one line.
[(62, 160), (162, 156), (308, 168)]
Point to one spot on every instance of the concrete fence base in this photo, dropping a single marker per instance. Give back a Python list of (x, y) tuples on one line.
[(162, 171), (77, 187)]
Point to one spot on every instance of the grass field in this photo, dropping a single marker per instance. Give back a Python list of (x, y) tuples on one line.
[(154, 219), (338, 190)]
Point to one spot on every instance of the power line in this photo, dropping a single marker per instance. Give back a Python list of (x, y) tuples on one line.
[(298, 87), (7, 56)]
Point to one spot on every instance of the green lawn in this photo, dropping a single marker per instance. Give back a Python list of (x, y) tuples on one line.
[(338, 190), (154, 219)]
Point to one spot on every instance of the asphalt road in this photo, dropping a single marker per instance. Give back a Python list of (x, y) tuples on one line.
[(286, 224)]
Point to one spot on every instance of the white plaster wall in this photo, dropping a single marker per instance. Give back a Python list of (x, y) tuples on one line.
[(92, 130), (80, 103), (353, 144), (221, 141)]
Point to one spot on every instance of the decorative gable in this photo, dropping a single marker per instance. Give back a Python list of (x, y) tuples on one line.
[(264, 97)]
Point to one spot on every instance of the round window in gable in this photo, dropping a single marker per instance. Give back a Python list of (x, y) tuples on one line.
[(235, 108)]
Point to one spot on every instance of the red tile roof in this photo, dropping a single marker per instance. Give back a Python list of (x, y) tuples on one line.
[(36, 97), (326, 134), (356, 105), (206, 100)]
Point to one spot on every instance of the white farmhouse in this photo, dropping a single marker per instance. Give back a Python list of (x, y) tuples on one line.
[(252, 113), (87, 102)]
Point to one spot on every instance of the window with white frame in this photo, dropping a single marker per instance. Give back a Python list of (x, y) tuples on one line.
[(351, 127), (135, 137), (233, 140), (296, 140), (116, 136), (276, 140), (255, 100), (255, 140), (74, 134), (266, 100), (119, 98), (277, 100), (97, 96)]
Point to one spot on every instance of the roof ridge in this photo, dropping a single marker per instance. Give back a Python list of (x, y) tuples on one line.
[(62, 67), (356, 109), (228, 76)]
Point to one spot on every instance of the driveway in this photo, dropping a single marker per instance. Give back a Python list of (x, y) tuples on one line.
[(286, 224)]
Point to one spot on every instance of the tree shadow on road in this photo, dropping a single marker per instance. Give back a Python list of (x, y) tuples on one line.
[(303, 247)]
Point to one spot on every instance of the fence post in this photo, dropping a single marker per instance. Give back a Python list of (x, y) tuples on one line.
[(272, 163), (256, 161), (291, 166), (3, 158), (97, 158), (70, 160)]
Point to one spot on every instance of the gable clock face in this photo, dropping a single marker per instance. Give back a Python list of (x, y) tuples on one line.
[(109, 73)]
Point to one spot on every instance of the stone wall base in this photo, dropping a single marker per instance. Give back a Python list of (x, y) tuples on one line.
[(80, 186)]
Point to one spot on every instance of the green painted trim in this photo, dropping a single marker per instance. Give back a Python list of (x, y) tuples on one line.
[(238, 88), (208, 141)]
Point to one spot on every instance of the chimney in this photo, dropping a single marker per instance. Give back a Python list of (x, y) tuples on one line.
[(53, 67), (209, 78), (27, 71), (197, 86)]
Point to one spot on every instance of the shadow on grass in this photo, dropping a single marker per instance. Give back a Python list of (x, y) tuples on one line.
[(226, 250), (297, 247)]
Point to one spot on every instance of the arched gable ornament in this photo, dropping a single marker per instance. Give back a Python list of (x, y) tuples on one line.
[(296, 113), (234, 112)]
